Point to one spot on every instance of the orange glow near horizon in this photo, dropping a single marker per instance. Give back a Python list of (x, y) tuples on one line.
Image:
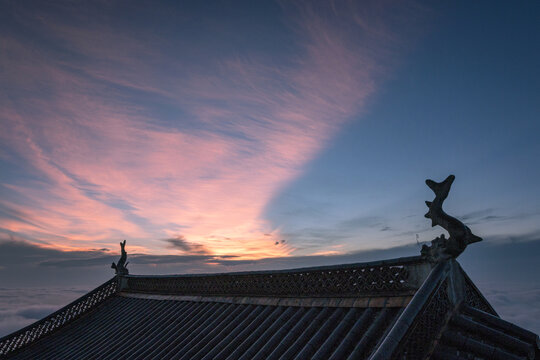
[(104, 167)]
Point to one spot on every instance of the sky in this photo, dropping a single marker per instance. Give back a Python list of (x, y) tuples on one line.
[(226, 136)]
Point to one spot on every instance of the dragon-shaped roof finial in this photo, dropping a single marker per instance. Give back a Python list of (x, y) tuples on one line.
[(121, 266), (460, 235)]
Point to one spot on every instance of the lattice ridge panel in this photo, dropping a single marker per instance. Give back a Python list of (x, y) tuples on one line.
[(427, 325), (351, 281), (58, 319)]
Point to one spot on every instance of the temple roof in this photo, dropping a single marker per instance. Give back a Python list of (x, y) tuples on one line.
[(418, 307), (405, 308)]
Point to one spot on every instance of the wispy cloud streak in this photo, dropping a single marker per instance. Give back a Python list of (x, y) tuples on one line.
[(119, 133)]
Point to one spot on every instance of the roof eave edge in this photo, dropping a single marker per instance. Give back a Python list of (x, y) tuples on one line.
[(23, 337)]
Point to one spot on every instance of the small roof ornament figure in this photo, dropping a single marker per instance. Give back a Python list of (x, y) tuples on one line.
[(121, 267), (442, 249)]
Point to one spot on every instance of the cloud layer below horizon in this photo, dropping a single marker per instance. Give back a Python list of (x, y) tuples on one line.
[(125, 128)]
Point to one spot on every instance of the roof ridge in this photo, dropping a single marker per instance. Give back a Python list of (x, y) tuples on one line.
[(417, 259), (390, 277), (404, 323)]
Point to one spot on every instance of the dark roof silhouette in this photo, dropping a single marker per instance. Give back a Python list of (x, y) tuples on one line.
[(409, 308), (405, 308)]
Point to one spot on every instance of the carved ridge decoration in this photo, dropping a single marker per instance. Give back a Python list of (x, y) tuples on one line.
[(58, 319), (353, 281), (442, 249), (121, 267)]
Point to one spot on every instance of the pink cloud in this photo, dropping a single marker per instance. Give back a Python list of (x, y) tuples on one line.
[(259, 125)]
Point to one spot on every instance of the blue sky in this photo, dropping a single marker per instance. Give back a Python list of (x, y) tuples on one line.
[(464, 101), (224, 136)]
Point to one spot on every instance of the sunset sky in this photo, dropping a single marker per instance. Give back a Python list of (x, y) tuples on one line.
[(229, 135)]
